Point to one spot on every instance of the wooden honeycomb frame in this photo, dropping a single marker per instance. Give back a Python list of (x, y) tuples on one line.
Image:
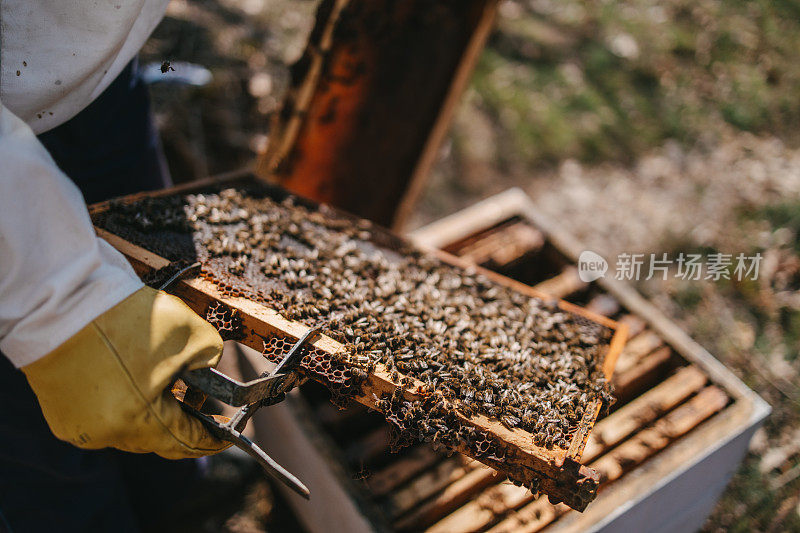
[(558, 470)]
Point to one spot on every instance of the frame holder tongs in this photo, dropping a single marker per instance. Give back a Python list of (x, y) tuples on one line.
[(268, 389)]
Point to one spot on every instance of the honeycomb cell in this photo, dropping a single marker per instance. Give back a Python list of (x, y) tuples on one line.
[(226, 320)]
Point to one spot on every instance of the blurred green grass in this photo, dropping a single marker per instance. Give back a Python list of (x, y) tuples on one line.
[(600, 81)]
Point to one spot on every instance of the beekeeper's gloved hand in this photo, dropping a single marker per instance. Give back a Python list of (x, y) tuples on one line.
[(109, 385)]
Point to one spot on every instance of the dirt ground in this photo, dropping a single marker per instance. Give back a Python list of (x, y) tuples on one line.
[(642, 127)]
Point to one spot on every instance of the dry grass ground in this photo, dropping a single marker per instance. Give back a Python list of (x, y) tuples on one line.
[(642, 126)]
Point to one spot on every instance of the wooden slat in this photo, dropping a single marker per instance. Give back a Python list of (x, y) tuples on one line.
[(636, 348), (420, 458), (533, 517), (428, 484), (644, 410), (501, 246), (453, 496), (675, 424), (483, 510), (557, 469), (447, 232), (538, 514), (563, 285), (607, 434), (646, 372), (635, 324)]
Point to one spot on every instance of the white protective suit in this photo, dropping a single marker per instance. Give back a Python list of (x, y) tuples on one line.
[(56, 275)]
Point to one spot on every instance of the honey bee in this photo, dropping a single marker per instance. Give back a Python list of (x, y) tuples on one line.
[(358, 373), (362, 474)]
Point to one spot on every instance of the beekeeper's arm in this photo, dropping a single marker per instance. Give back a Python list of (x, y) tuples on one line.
[(98, 348)]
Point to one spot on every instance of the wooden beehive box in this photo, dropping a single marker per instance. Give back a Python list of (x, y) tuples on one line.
[(557, 470), (664, 454)]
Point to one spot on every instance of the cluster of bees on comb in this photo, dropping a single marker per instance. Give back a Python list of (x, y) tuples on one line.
[(468, 341)]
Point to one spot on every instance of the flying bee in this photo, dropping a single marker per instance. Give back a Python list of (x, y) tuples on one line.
[(362, 474), (166, 67)]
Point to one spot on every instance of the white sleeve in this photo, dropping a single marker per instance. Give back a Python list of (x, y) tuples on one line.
[(56, 275)]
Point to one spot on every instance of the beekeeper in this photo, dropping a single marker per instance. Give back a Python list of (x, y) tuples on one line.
[(88, 351)]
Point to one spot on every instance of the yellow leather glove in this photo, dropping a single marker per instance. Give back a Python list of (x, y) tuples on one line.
[(109, 384)]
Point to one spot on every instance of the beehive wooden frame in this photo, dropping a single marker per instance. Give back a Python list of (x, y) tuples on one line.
[(558, 470)]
